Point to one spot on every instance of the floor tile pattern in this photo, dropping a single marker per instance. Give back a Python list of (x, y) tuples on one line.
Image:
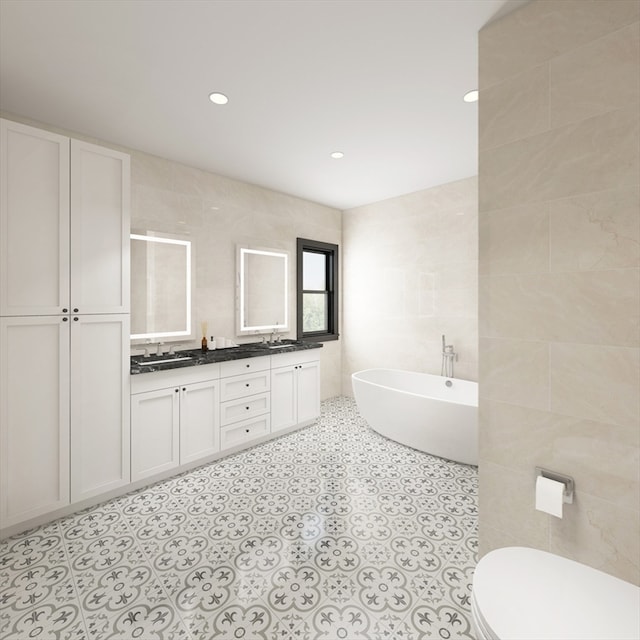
[(329, 533)]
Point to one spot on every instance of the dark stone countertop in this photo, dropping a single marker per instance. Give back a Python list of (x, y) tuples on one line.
[(195, 357)]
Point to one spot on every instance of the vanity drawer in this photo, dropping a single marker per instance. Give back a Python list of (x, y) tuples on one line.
[(245, 431), (244, 408), (246, 365), (246, 385)]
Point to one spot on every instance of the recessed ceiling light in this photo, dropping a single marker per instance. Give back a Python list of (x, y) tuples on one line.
[(337, 155), (218, 98), (471, 96)]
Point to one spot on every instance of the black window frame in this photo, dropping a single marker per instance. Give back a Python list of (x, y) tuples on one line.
[(331, 252)]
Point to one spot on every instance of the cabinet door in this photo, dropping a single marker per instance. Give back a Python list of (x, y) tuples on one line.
[(34, 221), (283, 398), (199, 420), (308, 391), (99, 404), (155, 432), (100, 223), (34, 417)]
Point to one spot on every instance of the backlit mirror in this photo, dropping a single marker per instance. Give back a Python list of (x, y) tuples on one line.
[(161, 287), (262, 294)]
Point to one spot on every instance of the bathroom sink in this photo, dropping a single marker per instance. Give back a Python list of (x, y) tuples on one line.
[(149, 362)]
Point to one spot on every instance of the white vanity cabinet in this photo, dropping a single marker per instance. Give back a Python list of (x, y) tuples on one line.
[(245, 401), (295, 389), (174, 418), (155, 432), (64, 303)]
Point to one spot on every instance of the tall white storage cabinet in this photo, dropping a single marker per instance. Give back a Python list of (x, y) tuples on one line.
[(64, 304)]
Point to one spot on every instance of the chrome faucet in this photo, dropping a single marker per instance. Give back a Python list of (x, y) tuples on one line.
[(448, 356)]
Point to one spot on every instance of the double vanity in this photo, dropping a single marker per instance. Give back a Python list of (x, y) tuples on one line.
[(192, 407)]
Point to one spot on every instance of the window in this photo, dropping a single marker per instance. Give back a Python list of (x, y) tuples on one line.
[(317, 290)]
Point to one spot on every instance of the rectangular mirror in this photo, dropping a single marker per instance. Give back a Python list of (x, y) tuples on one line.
[(161, 287), (262, 290)]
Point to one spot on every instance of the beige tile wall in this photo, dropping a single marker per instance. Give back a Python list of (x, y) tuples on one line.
[(218, 213), (559, 277), (410, 271)]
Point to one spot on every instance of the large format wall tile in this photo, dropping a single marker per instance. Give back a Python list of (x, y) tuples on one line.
[(515, 240), (598, 77), (410, 269), (596, 383), (545, 29), (516, 108), (515, 371), (602, 458), (600, 534), (559, 283), (595, 307), (595, 231), (507, 496), (592, 155)]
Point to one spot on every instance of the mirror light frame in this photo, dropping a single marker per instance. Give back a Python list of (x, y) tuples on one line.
[(242, 328), (188, 332)]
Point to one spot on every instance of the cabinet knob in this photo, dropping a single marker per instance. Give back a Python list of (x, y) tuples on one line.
[(75, 310), (247, 408), (246, 430), (75, 319), (184, 388), (177, 390), (247, 365), (65, 319), (247, 384), (65, 311)]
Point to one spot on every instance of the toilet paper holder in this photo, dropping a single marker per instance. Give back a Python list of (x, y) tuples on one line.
[(567, 481)]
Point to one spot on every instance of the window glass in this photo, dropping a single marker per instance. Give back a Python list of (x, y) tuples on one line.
[(314, 312), (314, 271)]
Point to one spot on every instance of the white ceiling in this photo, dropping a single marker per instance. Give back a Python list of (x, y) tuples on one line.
[(380, 80)]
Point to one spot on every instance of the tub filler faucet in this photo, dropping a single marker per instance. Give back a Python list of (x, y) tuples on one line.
[(448, 356)]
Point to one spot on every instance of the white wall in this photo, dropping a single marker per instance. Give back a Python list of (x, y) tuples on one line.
[(410, 269)]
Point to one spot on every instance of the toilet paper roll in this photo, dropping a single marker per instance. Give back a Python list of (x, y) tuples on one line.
[(549, 496)]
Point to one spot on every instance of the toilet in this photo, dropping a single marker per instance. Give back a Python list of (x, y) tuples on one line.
[(526, 594)]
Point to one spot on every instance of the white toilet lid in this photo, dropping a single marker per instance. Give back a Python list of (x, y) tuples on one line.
[(527, 594)]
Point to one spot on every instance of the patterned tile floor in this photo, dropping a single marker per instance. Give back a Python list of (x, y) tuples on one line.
[(331, 533)]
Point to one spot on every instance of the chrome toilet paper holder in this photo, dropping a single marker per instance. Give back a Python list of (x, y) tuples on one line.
[(567, 481)]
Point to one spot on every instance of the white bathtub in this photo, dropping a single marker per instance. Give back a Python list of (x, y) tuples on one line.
[(419, 410)]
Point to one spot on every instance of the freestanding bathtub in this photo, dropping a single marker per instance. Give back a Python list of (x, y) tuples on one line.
[(421, 410)]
